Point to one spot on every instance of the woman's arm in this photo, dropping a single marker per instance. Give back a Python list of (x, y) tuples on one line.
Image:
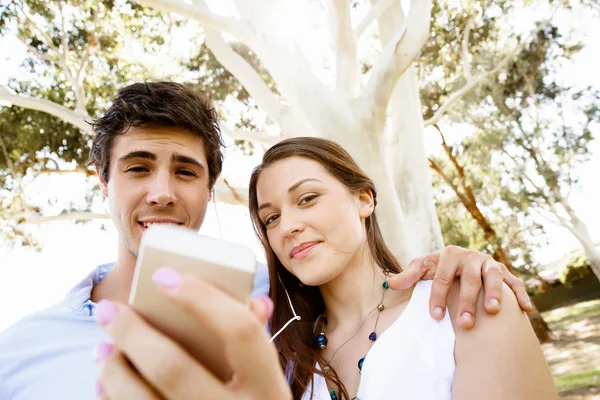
[(500, 358)]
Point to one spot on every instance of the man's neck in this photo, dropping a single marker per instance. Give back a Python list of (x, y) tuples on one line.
[(117, 284)]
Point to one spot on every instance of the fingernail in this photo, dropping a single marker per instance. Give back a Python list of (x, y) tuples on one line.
[(167, 278), (426, 262), (268, 304), (466, 317), (494, 303), (99, 389), (105, 312), (102, 351), (529, 303), (438, 311)]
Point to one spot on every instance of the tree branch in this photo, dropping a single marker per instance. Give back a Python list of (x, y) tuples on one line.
[(447, 179), (346, 58), (84, 62), (465, 49), (374, 13), (459, 169), (69, 216), (397, 56), (63, 37), (200, 13), (38, 53), (74, 118), (248, 77), (228, 194), (49, 41), (255, 137), (482, 77)]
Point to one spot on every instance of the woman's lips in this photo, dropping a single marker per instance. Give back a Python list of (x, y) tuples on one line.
[(302, 250)]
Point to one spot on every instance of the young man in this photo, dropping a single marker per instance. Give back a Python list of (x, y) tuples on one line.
[(158, 153)]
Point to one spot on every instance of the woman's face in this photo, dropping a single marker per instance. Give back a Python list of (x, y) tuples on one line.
[(314, 224)]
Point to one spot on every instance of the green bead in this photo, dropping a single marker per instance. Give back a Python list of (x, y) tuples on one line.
[(386, 285), (333, 395)]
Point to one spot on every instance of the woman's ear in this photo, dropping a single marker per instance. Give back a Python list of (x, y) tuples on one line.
[(366, 203)]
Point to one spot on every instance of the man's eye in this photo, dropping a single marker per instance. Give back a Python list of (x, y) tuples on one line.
[(186, 172), (271, 219), (137, 170)]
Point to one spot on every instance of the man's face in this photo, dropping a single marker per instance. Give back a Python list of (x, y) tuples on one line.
[(157, 175)]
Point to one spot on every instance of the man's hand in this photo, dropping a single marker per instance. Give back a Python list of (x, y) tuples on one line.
[(473, 268)]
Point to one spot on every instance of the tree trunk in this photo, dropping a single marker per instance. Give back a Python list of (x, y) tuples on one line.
[(580, 231), (406, 150)]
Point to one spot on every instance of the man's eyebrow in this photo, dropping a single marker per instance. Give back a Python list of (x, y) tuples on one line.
[(138, 154), (180, 158)]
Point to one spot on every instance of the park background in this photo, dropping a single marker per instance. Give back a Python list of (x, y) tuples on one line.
[(478, 120)]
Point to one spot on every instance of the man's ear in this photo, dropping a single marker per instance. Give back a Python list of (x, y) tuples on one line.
[(103, 184), (366, 203)]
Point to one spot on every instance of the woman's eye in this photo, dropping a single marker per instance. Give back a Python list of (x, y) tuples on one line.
[(271, 219), (308, 199)]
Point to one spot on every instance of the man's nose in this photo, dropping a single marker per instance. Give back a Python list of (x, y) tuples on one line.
[(162, 191)]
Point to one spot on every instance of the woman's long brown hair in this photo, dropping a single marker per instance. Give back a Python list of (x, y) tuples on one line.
[(297, 351)]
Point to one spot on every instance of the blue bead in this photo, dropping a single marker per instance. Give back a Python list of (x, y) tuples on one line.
[(373, 336), (386, 285), (321, 340), (333, 395), (360, 363)]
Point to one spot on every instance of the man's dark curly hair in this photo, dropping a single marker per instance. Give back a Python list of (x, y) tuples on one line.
[(158, 104)]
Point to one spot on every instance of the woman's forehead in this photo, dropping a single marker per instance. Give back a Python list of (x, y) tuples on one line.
[(283, 174)]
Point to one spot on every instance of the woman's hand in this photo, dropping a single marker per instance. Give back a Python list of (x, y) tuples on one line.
[(142, 363)]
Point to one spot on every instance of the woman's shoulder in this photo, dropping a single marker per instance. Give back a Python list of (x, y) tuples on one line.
[(489, 331)]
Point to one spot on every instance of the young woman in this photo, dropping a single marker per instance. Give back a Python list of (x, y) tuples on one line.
[(313, 209)]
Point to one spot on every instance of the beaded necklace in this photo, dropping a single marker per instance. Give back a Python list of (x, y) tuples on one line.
[(321, 338)]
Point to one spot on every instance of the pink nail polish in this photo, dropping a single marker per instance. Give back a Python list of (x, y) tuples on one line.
[(269, 304), (105, 312), (167, 278), (99, 389), (103, 350)]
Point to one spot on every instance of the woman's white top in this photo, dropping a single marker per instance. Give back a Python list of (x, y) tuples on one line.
[(413, 359)]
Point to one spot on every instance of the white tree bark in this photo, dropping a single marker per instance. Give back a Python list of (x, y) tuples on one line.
[(580, 231), (74, 118), (334, 111), (406, 151)]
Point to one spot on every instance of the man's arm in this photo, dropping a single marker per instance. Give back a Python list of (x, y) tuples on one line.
[(475, 270)]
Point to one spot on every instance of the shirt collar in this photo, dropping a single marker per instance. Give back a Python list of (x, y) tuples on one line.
[(78, 298)]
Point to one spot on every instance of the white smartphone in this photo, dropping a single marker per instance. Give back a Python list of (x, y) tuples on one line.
[(230, 266)]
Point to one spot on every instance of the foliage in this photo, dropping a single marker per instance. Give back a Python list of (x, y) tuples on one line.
[(528, 130), (575, 269)]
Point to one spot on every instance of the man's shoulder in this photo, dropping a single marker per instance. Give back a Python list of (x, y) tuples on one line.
[(26, 326), (37, 350), (261, 281)]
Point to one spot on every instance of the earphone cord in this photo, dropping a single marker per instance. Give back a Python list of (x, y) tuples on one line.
[(294, 318)]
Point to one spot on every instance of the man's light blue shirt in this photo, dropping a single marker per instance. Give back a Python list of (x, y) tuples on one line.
[(48, 355)]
